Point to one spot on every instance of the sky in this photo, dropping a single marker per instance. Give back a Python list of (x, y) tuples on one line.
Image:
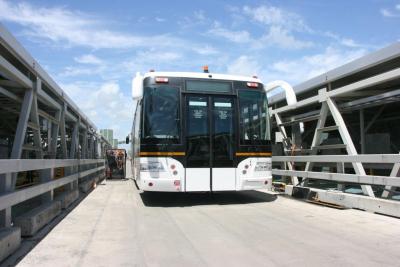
[(92, 49)]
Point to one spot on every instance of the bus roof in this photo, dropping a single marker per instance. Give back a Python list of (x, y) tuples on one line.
[(203, 75)]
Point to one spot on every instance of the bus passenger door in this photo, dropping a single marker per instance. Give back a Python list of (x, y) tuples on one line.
[(223, 175), (198, 173), (210, 143)]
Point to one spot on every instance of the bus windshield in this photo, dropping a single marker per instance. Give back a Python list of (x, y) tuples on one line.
[(254, 120), (161, 123)]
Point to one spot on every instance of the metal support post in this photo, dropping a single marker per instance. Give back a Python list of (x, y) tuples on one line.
[(92, 147), (49, 138), (351, 150), (317, 134), (54, 136), (84, 152), (45, 175), (95, 148), (340, 169), (376, 116), (63, 133), (388, 192), (74, 147), (295, 180), (22, 124), (362, 131), (5, 186), (74, 141), (296, 135), (7, 181), (34, 115)]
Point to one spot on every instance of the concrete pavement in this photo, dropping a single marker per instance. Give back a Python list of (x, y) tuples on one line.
[(117, 225)]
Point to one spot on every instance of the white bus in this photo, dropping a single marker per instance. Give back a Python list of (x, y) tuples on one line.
[(200, 132)]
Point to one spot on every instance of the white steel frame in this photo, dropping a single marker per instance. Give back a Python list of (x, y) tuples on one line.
[(24, 91), (329, 106)]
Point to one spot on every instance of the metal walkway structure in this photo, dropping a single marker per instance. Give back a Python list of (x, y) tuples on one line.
[(331, 137), (48, 147), (337, 146)]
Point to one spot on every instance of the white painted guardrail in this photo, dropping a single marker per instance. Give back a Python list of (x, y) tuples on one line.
[(10, 166), (78, 173), (19, 165), (391, 180), (382, 205)]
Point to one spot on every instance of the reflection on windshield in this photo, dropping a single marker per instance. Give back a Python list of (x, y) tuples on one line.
[(224, 134), (198, 139), (161, 115), (254, 121)]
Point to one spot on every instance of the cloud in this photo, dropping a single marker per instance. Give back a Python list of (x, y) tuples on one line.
[(244, 65), (205, 50), (274, 16), (278, 28), (387, 13), (88, 59), (295, 70), (281, 37), (157, 56), (145, 60), (199, 15), (158, 19), (104, 103), (276, 36), (74, 28), (197, 18), (306, 67), (233, 36), (347, 42), (393, 12), (73, 71)]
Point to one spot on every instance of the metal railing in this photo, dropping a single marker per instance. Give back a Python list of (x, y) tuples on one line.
[(390, 182), (77, 171), (385, 204)]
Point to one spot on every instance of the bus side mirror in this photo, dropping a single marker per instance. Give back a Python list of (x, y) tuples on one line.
[(127, 140)]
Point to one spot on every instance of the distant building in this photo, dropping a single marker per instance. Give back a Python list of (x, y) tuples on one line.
[(108, 135), (115, 143)]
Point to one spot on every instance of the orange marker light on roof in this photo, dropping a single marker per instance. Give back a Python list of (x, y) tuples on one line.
[(205, 69)]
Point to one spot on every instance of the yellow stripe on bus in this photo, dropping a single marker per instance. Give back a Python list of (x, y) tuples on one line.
[(265, 154), (158, 153)]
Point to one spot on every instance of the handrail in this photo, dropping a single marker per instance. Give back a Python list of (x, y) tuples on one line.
[(12, 198), (11, 166), (342, 177), (365, 158), (391, 180), (20, 165)]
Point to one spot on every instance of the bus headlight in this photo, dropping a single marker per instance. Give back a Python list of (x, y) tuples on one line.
[(262, 166), (152, 167)]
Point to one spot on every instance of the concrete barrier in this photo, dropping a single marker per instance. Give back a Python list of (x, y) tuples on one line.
[(100, 178), (10, 239), (35, 219), (68, 198), (87, 185)]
